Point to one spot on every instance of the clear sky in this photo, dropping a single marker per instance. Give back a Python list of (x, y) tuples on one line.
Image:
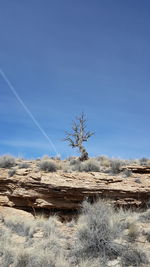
[(68, 56)]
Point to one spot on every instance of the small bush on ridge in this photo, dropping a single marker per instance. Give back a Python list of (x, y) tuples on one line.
[(87, 166), (116, 166), (7, 161), (104, 161), (144, 161), (48, 166), (90, 166), (127, 173), (74, 161), (23, 165)]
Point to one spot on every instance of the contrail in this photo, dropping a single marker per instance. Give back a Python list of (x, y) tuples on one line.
[(27, 110)]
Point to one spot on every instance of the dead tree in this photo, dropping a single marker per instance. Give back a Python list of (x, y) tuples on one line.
[(79, 135)]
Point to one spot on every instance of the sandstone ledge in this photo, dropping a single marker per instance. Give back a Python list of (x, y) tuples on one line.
[(65, 191)]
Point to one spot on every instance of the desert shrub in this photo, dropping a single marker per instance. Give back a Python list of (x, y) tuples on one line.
[(124, 219), (91, 262), (127, 173), (24, 165), (74, 161), (104, 161), (145, 217), (11, 172), (144, 161), (6, 247), (90, 166), (5, 238), (87, 166), (98, 229), (18, 225), (148, 163), (41, 258), (23, 258), (96, 233), (32, 257), (116, 166), (48, 251), (51, 244), (134, 162), (49, 226), (77, 166), (132, 232), (8, 256), (65, 166), (133, 257), (7, 161), (48, 166)]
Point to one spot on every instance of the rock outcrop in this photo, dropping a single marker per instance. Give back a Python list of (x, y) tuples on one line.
[(137, 169), (30, 190), (7, 212)]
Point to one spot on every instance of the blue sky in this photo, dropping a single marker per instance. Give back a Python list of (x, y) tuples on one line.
[(64, 57)]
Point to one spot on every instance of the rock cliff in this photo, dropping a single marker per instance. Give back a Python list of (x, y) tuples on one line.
[(64, 192)]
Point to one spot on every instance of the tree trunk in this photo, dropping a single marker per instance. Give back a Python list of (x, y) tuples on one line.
[(84, 155)]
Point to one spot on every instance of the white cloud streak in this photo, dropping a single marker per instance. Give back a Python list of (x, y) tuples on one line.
[(13, 90)]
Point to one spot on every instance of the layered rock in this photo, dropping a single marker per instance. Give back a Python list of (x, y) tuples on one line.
[(30, 190), (137, 169)]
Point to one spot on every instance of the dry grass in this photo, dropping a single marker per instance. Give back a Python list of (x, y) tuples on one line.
[(100, 236)]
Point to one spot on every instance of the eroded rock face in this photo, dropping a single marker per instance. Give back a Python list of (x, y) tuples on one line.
[(137, 169), (32, 190)]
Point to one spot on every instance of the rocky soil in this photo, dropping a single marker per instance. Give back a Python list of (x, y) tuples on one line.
[(25, 238)]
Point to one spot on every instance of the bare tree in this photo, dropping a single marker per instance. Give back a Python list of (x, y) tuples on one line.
[(79, 135)]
